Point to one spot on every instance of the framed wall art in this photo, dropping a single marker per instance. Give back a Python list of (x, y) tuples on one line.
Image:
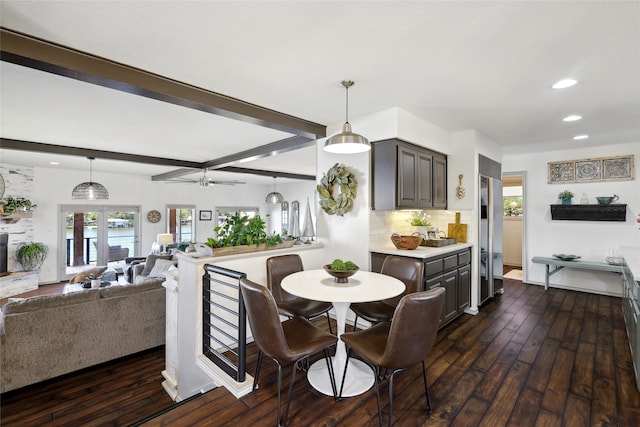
[(205, 215), (619, 168)]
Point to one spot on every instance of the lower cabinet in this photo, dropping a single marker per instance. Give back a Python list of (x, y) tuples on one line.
[(452, 271), (631, 312)]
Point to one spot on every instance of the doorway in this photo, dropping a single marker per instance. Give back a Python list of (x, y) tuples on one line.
[(93, 235), (514, 225)]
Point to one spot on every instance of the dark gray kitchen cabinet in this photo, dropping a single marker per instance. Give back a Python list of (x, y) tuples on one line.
[(406, 176), (450, 284), (452, 271), (631, 313), (439, 181)]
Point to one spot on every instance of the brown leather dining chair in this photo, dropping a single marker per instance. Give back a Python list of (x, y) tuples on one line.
[(407, 340), (288, 342), (278, 267), (409, 271)]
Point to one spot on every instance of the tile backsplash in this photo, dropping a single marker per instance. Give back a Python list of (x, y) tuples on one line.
[(384, 223)]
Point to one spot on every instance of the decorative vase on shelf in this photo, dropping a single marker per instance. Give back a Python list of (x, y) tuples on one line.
[(566, 201)]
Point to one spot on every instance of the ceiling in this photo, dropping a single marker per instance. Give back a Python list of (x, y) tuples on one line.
[(485, 65)]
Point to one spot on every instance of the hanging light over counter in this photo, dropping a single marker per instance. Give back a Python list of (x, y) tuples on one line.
[(274, 196), (347, 142), (90, 190)]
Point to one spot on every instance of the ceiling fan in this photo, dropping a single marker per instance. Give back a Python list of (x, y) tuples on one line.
[(204, 181)]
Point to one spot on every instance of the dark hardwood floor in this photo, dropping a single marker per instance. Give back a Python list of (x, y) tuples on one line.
[(529, 358)]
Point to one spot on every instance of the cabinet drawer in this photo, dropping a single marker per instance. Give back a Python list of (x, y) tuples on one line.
[(464, 258), (450, 262), (434, 282), (433, 267)]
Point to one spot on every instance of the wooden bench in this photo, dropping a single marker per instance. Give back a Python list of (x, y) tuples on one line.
[(560, 264)]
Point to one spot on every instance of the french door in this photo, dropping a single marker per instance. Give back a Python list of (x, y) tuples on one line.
[(93, 235)]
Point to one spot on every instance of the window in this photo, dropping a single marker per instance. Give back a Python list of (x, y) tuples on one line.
[(222, 213)]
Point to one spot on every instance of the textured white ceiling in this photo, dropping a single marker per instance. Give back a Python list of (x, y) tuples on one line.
[(484, 65)]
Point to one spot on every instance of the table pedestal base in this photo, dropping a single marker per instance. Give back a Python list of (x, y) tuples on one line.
[(359, 377)]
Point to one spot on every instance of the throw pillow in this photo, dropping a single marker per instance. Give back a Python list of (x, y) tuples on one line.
[(161, 266), (151, 262)]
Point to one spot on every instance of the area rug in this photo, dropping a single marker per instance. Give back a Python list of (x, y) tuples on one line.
[(513, 274)]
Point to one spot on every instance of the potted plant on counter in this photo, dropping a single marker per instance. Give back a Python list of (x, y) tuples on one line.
[(31, 255), (566, 197), (422, 224)]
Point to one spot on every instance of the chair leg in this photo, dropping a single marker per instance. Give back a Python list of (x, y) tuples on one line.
[(391, 396), (376, 373), (344, 373), (258, 366), (293, 380), (355, 323), (332, 376), (279, 386), (329, 322), (426, 389)]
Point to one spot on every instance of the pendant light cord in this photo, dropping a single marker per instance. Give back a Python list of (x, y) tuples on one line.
[(90, 169), (347, 110)]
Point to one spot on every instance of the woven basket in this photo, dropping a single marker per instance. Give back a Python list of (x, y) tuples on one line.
[(406, 242)]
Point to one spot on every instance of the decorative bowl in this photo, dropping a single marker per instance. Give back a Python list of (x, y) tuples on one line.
[(339, 276), (406, 242), (607, 200), (569, 257)]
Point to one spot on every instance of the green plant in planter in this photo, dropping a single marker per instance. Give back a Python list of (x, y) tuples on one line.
[(566, 197), (31, 255), (566, 194), (13, 204), (240, 230), (420, 220)]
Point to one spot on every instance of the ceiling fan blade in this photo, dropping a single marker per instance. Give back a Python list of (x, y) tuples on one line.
[(181, 181), (211, 182)]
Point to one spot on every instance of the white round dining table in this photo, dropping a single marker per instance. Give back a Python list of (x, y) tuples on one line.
[(363, 286)]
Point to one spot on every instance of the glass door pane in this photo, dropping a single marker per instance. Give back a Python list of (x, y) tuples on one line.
[(80, 239), (180, 223), (122, 236), (96, 235)]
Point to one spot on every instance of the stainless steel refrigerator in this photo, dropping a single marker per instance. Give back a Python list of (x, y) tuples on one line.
[(490, 229)]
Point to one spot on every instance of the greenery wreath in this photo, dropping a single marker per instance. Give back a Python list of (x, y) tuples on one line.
[(343, 201)]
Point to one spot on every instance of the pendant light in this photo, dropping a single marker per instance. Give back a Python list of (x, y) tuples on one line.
[(274, 196), (347, 142), (90, 190)]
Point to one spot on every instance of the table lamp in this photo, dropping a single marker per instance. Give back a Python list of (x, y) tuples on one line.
[(164, 240)]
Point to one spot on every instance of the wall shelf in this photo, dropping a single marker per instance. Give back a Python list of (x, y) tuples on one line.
[(589, 212), (15, 217)]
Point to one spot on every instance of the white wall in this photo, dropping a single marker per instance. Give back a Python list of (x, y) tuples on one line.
[(589, 239), (52, 187)]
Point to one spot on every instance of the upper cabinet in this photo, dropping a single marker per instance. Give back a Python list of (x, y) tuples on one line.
[(406, 176)]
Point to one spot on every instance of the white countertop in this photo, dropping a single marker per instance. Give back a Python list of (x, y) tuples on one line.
[(420, 252)]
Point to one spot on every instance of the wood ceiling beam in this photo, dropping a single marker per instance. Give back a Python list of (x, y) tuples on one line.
[(262, 172), (38, 147), (32, 52), (224, 163)]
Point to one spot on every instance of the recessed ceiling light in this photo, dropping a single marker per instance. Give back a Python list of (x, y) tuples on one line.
[(563, 84), (572, 118), (581, 137), (54, 163)]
